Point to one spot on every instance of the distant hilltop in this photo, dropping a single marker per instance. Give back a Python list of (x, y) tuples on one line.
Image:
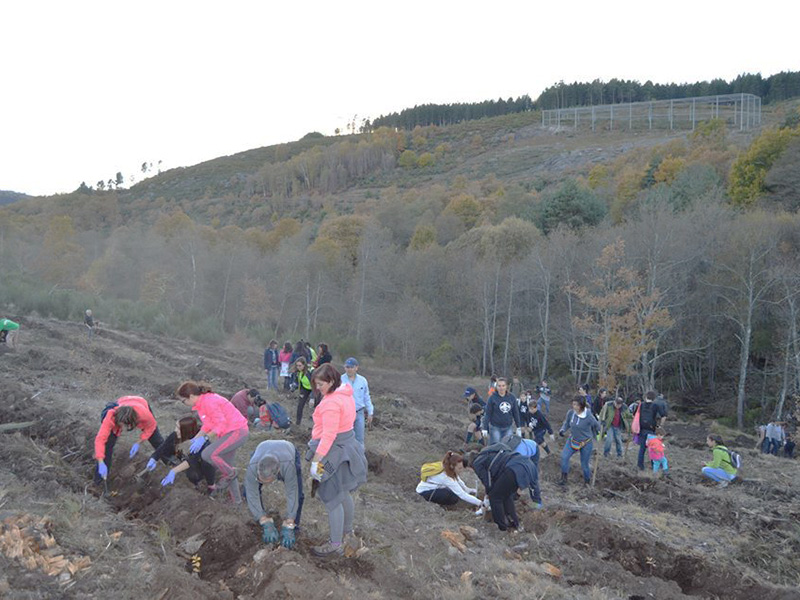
[(7, 196)]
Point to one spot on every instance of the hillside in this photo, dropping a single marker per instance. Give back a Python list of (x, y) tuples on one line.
[(7, 197), (631, 536)]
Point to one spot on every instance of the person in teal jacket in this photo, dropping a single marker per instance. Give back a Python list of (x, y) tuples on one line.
[(720, 469), (8, 332)]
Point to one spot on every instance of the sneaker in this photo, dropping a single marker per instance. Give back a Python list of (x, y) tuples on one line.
[(537, 506), (328, 549), (723, 484)]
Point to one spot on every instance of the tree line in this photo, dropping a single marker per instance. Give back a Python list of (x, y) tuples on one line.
[(781, 86)]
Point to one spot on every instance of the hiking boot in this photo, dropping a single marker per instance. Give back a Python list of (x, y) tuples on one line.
[(351, 541), (327, 550), (563, 482)]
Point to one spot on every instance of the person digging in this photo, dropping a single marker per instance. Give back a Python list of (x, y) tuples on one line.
[(275, 459)]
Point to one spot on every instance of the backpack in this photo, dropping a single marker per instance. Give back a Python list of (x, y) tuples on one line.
[(280, 418), (108, 407), (635, 427), (430, 469), (497, 454), (735, 459), (647, 421)]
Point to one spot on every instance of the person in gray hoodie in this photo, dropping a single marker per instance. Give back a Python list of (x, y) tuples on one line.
[(583, 427), (275, 459)]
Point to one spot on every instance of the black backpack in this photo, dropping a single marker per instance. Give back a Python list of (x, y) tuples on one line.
[(490, 462), (108, 407)]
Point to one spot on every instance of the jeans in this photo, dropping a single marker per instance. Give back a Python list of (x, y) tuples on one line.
[(498, 433), (717, 474), (774, 446), (358, 425), (545, 401), (660, 463), (272, 378), (614, 433), (586, 455)]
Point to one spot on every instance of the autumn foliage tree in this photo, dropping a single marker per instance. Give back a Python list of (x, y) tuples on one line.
[(621, 319)]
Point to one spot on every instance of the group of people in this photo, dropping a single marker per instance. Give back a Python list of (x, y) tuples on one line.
[(279, 364), (774, 437), (511, 433), (205, 441)]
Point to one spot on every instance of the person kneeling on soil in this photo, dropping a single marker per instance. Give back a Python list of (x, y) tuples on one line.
[(441, 483), (186, 428), (275, 459), (502, 476), (8, 332), (721, 468), (337, 458), (222, 422), (129, 412), (584, 427)]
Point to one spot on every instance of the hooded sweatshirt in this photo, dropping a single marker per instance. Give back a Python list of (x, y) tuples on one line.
[(583, 425), (218, 415), (502, 411)]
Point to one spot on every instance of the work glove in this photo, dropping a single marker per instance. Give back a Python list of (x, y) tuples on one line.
[(169, 479), (317, 470), (256, 421), (270, 534), (552, 438), (197, 444), (287, 537), (485, 433), (519, 431), (102, 469), (134, 450), (151, 464)]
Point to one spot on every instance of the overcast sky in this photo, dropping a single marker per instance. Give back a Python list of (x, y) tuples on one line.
[(92, 88)]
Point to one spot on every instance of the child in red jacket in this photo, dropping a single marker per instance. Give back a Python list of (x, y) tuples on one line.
[(655, 449)]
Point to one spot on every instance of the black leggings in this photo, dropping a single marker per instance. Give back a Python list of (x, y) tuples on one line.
[(441, 496), (301, 403), (501, 499), (200, 469)]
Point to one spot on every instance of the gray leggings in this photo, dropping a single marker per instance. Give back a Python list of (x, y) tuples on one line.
[(340, 518)]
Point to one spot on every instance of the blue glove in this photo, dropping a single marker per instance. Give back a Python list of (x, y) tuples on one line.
[(151, 464), (197, 444), (134, 450), (169, 479), (287, 537), (102, 469), (270, 534)]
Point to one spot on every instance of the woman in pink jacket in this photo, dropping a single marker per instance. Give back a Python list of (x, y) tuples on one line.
[(337, 458), (223, 426)]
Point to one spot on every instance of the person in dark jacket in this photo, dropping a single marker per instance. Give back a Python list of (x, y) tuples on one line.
[(323, 355), (583, 391), (502, 476), (502, 413), (471, 396), (651, 418), (583, 427), (196, 468), (475, 427), (599, 402), (545, 393), (539, 425), (272, 364)]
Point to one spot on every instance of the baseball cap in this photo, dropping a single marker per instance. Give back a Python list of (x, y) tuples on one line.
[(351, 362), (468, 392)]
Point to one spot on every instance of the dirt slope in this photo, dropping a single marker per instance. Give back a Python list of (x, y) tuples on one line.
[(631, 537)]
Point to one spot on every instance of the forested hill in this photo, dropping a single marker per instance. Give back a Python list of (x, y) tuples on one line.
[(479, 246), (7, 197)]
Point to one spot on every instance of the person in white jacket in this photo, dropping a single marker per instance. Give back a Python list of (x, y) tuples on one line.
[(447, 488)]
